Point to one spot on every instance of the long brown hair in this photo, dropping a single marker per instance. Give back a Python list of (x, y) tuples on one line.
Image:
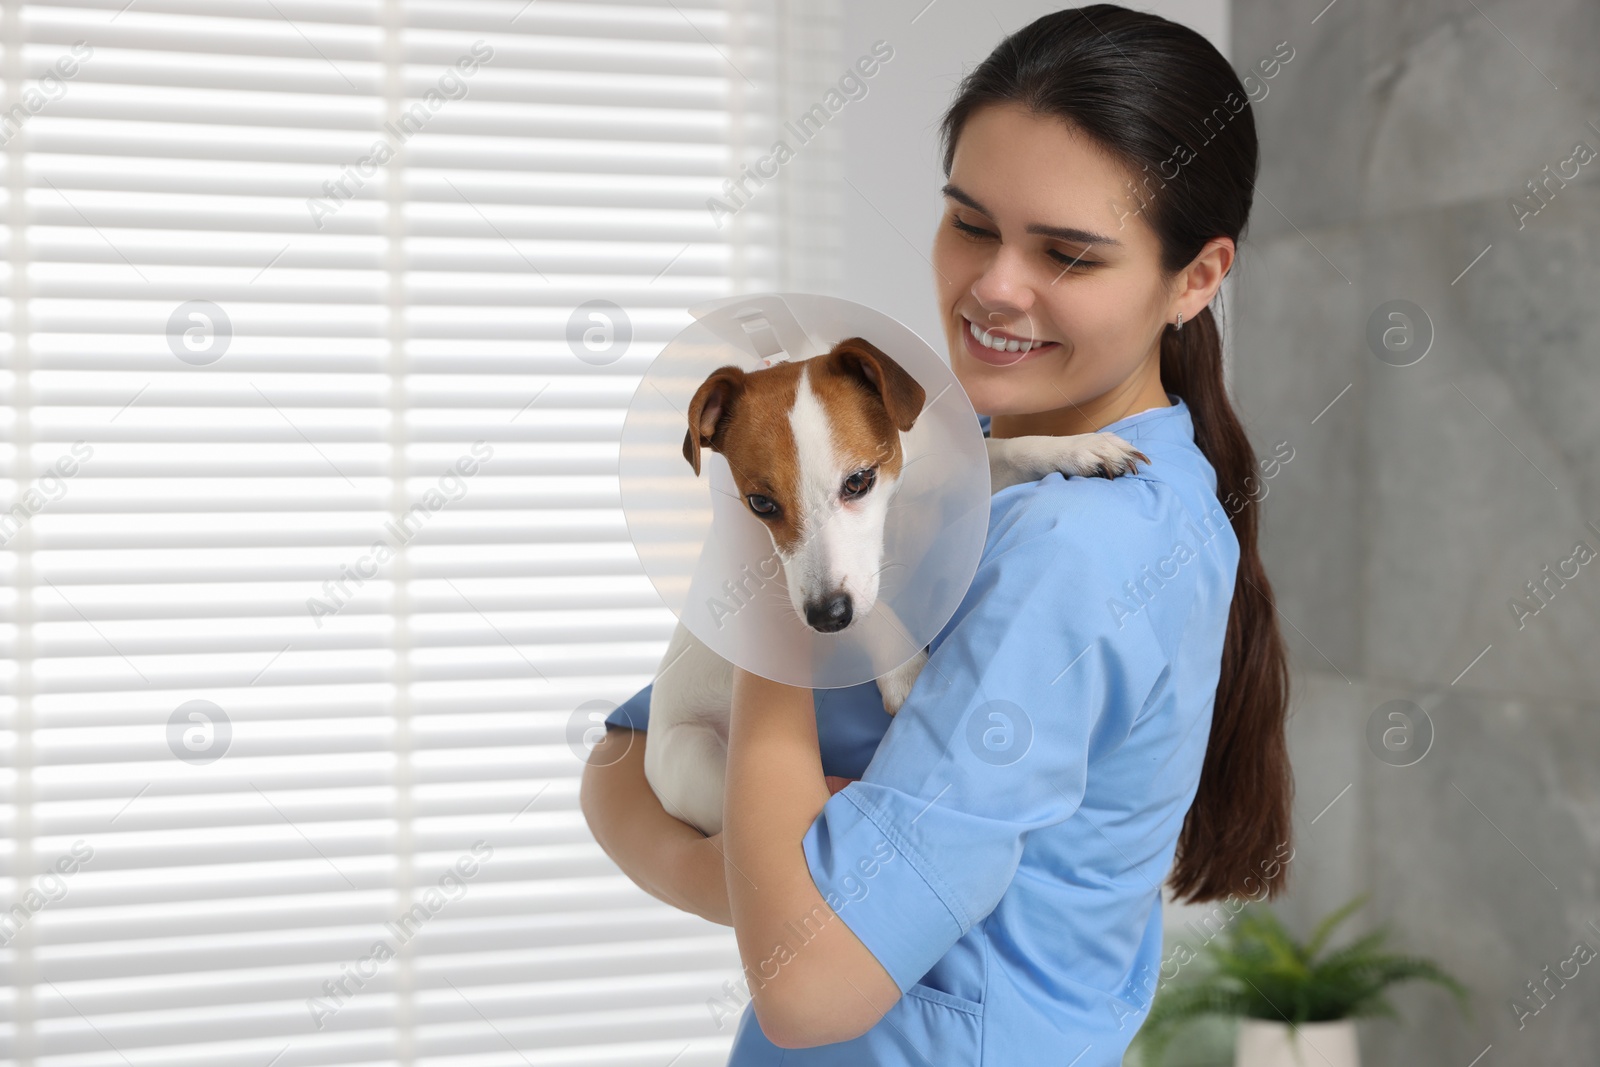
[(1157, 96)]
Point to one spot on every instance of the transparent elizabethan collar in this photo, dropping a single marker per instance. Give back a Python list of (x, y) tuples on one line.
[(714, 563)]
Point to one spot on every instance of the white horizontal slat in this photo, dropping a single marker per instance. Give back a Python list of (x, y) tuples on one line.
[(180, 572), (160, 105), (350, 40), (295, 181)]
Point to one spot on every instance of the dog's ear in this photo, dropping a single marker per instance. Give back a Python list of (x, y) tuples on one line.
[(901, 394), (712, 402)]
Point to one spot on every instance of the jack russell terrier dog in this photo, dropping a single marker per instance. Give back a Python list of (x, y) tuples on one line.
[(814, 448)]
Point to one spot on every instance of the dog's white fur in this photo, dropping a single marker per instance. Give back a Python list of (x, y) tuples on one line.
[(686, 746), (844, 550)]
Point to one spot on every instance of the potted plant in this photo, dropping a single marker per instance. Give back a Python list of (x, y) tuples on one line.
[(1296, 1005)]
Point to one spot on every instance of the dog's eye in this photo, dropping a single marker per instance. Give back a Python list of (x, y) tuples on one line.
[(859, 482), (762, 505)]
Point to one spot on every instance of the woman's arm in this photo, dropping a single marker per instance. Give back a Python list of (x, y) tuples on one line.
[(665, 856), (828, 987)]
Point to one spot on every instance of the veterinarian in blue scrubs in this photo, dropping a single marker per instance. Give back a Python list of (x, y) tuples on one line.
[(1002, 851)]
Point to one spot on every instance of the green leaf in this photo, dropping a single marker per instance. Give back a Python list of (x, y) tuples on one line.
[(1319, 936)]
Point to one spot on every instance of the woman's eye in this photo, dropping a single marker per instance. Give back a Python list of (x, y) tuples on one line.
[(1076, 262), (967, 229), (762, 505), (859, 482)]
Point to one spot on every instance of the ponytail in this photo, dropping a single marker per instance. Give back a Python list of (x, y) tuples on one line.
[(1241, 817)]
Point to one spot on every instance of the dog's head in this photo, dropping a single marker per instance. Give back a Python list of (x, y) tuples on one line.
[(814, 447)]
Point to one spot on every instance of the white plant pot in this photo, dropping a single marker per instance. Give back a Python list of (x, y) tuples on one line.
[(1264, 1043)]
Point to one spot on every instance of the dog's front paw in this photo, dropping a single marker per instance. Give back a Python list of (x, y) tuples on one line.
[(1014, 460), (896, 685), (1104, 455)]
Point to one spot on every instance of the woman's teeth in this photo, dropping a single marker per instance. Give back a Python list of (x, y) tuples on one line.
[(1000, 344)]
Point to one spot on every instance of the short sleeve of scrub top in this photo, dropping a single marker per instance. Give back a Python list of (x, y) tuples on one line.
[(1001, 854)]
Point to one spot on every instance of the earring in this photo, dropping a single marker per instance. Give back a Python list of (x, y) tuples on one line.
[(1180, 320)]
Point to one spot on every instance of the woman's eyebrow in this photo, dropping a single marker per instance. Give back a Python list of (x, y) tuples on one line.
[(1065, 233)]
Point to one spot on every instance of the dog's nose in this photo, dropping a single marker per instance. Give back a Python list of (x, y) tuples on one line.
[(830, 615)]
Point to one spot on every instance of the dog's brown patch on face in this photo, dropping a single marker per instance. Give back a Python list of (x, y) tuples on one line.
[(864, 436), (758, 443)]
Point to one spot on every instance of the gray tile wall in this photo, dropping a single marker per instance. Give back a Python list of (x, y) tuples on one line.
[(1421, 502)]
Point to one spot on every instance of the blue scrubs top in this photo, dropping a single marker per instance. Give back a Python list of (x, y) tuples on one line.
[(1002, 854)]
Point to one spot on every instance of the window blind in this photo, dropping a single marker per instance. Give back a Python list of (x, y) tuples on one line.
[(315, 561)]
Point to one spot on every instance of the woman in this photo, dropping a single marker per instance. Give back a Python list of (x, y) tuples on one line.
[(1107, 705)]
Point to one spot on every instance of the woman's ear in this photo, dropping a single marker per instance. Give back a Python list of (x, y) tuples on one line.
[(712, 402), (901, 394)]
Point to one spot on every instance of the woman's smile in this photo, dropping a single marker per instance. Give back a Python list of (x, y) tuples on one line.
[(999, 348)]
